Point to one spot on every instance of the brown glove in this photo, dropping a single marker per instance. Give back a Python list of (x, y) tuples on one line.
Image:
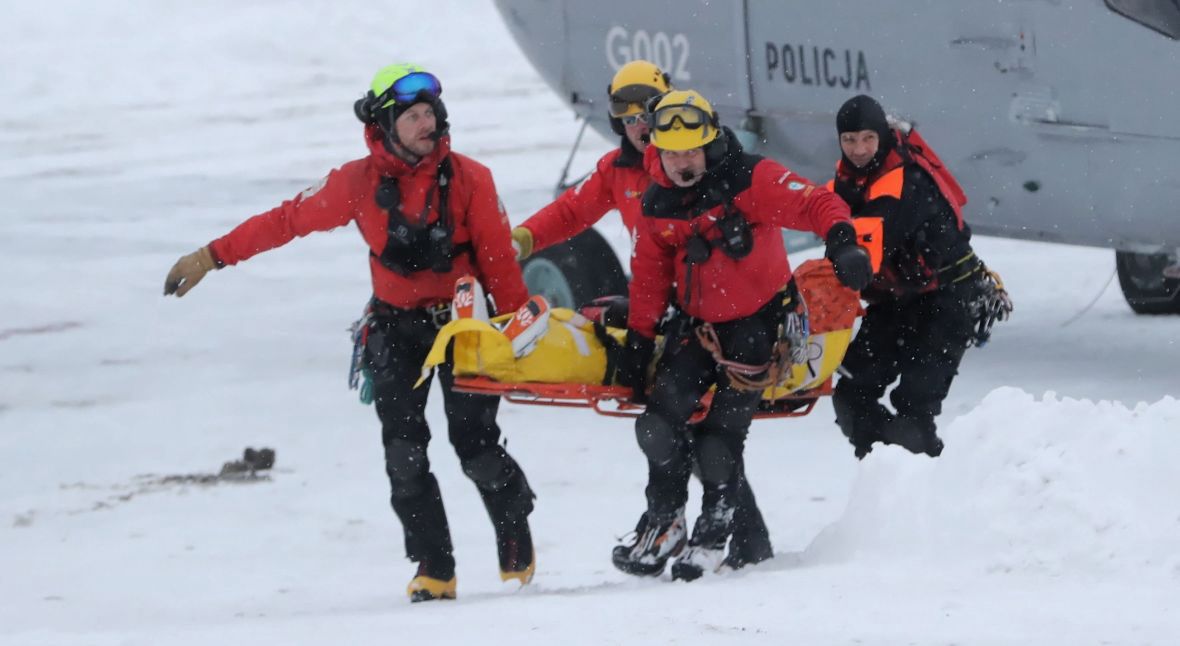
[(188, 271), (522, 242)]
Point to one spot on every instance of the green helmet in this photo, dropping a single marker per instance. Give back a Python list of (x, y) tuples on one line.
[(394, 89)]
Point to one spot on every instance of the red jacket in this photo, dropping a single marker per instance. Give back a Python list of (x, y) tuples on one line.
[(720, 289), (617, 182), (347, 194)]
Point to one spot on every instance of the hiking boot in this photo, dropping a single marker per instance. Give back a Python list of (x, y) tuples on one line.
[(746, 552), (913, 436), (706, 548), (514, 544), (432, 583), (698, 559), (750, 541), (654, 544)]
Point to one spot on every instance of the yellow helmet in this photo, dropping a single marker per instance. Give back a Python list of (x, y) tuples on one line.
[(634, 85), (683, 120)]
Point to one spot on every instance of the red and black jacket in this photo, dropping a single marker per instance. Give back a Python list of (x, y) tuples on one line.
[(480, 231), (618, 182), (721, 288), (920, 205)]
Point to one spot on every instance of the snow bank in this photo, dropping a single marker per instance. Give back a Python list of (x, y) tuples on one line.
[(1050, 486)]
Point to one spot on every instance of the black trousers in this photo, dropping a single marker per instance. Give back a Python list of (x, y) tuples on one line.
[(919, 341), (685, 373), (397, 345)]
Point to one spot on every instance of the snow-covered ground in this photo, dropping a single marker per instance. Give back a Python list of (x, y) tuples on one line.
[(132, 132)]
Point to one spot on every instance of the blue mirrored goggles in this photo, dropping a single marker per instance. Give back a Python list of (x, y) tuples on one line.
[(408, 88)]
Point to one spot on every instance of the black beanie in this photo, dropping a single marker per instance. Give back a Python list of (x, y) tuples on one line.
[(862, 112)]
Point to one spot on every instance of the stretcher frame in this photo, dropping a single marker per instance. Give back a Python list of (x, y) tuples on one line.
[(615, 401)]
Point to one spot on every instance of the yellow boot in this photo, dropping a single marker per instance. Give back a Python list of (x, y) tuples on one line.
[(524, 576), (424, 587), (518, 561)]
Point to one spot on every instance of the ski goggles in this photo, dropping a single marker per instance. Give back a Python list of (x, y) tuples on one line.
[(631, 99), (690, 117), (633, 119), (409, 88)]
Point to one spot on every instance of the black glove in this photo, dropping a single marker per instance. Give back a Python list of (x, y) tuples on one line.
[(851, 262), (632, 369)]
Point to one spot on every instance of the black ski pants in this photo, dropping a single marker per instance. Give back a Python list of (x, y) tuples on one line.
[(685, 373), (919, 341), (397, 344)]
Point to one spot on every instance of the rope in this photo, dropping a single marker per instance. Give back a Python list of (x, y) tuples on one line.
[(1085, 309), (743, 375)]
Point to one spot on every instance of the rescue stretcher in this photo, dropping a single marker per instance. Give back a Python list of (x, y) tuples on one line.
[(569, 362)]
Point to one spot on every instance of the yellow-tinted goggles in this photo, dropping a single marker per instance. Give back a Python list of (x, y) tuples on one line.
[(690, 117)]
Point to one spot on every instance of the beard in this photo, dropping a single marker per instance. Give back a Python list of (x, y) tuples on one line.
[(420, 147)]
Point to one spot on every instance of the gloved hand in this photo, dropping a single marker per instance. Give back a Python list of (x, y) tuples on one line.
[(851, 262), (522, 242), (632, 369), (188, 271), (992, 304)]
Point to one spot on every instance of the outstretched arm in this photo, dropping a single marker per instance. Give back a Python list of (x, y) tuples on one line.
[(324, 206), (574, 211)]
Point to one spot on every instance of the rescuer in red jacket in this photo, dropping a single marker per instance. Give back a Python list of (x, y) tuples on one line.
[(428, 216), (618, 182), (709, 241)]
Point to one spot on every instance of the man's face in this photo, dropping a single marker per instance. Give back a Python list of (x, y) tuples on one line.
[(860, 146), (637, 131), (684, 167), (415, 128)]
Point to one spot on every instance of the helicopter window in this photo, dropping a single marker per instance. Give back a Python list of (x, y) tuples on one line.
[(1161, 15)]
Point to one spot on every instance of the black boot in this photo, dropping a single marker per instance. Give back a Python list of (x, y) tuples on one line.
[(509, 512), (710, 533), (509, 501), (861, 422), (915, 436), (750, 542)]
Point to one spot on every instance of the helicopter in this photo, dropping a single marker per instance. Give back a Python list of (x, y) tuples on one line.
[(1058, 118)]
